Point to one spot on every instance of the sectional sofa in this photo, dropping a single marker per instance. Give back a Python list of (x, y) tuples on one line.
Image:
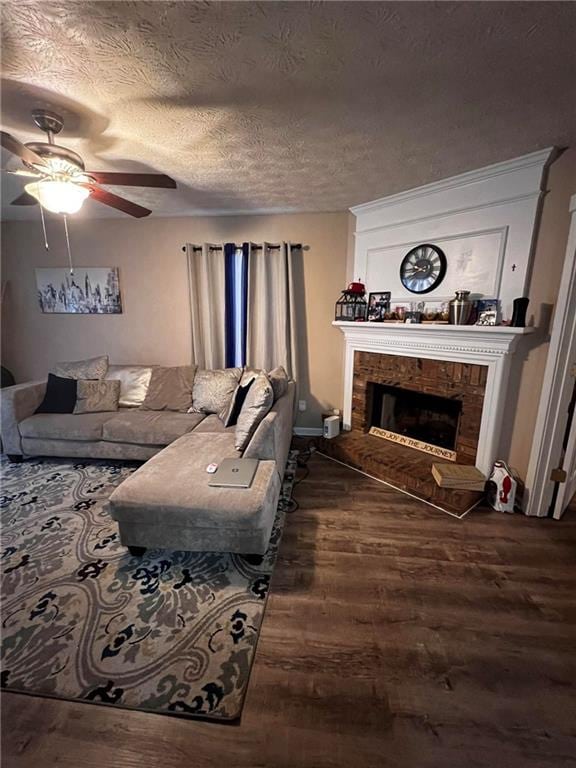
[(129, 433), (167, 502)]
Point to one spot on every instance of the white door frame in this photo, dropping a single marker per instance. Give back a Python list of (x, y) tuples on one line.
[(555, 397)]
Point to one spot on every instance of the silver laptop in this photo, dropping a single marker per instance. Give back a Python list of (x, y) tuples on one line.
[(234, 473)]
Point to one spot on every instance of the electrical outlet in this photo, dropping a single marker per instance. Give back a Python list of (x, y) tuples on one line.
[(302, 405)]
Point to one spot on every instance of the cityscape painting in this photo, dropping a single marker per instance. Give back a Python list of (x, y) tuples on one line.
[(89, 291)]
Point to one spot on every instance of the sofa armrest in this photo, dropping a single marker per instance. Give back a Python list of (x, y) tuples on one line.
[(16, 404)]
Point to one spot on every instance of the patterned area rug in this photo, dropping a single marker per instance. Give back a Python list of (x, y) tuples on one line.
[(172, 632)]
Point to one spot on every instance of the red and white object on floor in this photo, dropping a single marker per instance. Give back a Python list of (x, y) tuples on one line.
[(501, 488)]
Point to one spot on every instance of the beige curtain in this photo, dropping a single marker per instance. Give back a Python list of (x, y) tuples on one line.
[(272, 313), (206, 279)]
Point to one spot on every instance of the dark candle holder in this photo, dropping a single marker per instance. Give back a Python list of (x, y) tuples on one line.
[(520, 307)]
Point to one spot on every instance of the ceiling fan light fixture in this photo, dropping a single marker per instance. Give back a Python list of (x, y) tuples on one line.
[(58, 196)]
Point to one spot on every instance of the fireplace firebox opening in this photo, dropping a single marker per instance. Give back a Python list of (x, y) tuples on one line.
[(428, 418)]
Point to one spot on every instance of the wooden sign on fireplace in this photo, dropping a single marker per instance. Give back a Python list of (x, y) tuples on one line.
[(410, 442)]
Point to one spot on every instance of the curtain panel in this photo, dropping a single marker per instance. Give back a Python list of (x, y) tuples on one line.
[(207, 285), (272, 314)]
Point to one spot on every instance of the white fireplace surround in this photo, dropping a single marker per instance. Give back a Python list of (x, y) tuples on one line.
[(491, 346), (486, 222)]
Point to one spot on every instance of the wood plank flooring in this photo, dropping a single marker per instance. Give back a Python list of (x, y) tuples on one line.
[(395, 636)]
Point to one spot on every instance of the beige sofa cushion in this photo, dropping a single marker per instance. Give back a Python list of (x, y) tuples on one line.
[(92, 368), (274, 433), (65, 426), (134, 381), (149, 427), (258, 402), (279, 380), (214, 424), (96, 396), (213, 390), (170, 389)]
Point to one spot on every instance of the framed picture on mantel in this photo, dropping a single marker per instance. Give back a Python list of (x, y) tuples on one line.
[(88, 291), (378, 305)]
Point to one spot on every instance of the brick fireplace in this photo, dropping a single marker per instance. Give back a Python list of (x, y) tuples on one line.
[(460, 385), (444, 386)]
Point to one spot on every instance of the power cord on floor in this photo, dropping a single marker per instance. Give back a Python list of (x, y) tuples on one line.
[(302, 460)]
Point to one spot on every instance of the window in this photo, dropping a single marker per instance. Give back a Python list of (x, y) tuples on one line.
[(236, 264)]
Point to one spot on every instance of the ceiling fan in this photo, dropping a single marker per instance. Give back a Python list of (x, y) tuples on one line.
[(61, 182)]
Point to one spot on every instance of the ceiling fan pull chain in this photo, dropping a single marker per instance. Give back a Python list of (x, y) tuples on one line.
[(44, 228), (68, 244)]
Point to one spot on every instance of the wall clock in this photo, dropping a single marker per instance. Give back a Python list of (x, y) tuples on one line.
[(423, 268)]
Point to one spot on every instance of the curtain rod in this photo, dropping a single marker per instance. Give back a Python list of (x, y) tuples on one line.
[(297, 246)]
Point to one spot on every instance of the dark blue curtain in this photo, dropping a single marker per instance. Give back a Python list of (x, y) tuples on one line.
[(236, 307)]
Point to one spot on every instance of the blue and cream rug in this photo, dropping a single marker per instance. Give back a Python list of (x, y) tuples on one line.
[(172, 632)]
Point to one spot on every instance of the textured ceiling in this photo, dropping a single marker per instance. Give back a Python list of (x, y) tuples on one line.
[(289, 106)]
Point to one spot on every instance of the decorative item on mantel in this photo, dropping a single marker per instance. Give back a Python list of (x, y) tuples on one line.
[(414, 314), (378, 306), (519, 309), (352, 304), (460, 308), (488, 312)]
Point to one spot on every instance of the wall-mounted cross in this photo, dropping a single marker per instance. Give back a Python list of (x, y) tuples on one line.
[(513, 267)]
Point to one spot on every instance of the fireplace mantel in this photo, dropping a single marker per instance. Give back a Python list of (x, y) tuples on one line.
[(491, 346)]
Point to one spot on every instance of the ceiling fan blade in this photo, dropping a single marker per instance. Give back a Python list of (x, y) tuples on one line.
[(22, 172), (114, 201), (20, 150), (24, 199), (133, 179)]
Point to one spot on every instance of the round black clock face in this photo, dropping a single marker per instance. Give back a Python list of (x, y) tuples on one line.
[(423, 268)]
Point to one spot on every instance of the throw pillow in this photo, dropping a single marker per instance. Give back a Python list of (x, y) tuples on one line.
[(170, 389), (213, 391), (249, 374), (134, 381), (236, 403), (93, 368), (95, 396), (279, 380), (60, 396), (258, 402)]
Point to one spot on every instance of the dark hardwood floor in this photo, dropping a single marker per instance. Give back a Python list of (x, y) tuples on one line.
[(395, 636)]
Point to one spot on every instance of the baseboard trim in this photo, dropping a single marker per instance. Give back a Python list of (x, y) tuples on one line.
[(308, 431)]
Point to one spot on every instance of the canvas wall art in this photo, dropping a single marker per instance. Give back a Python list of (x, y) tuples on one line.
[(89, 291)]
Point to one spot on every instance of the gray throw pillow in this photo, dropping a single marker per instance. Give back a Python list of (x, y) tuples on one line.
[(93, 396), (134, 381), (213, 391), (258, 402), (93, 368), (279, 380), (170, 389)]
